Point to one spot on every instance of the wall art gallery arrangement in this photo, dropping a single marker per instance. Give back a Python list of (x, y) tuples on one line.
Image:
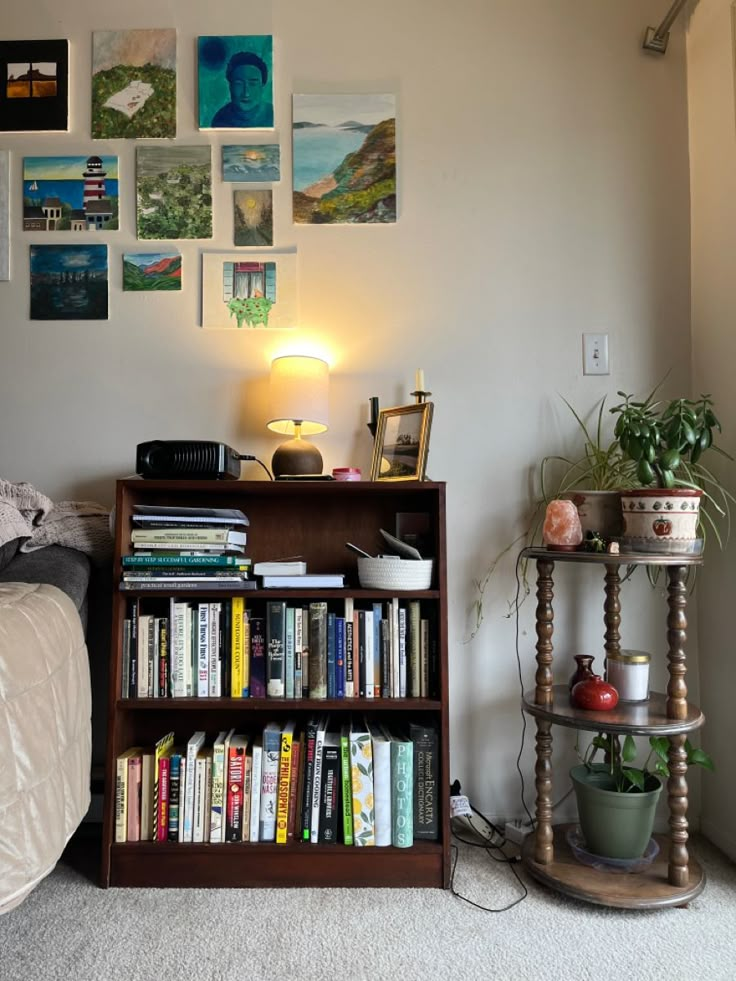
[(344, 172)]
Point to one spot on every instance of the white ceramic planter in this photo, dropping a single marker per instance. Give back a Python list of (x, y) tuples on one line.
[(661, 515)]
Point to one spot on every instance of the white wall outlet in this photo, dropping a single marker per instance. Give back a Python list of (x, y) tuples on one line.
[(595, 354)]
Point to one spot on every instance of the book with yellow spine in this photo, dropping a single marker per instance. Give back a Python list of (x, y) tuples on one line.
[(284, 780), (237, 646)]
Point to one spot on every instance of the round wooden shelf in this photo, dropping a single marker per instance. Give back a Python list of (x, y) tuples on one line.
[(639, 718), (649, 889)]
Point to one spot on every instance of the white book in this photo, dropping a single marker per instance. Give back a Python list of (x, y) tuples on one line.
[(182, 797), (145, 626), (350, 682), (187, 651), (193, 746), (200, 796), (370, 664), (286, 568), (269, 781), (147, 797), (219, 783), (255, 789), (381, 746), (207, 795), (395, 647), (298, 651), (402, 653), (289, 653), (214, 684), (317, 781), (203, 648)]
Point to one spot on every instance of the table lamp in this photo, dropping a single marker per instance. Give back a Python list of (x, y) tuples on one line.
[(298, 395)]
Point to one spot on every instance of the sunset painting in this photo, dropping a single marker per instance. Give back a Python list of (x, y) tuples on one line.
[(251, 164), (34, 86)]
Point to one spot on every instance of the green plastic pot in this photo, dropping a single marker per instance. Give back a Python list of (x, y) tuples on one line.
[(614, 824)]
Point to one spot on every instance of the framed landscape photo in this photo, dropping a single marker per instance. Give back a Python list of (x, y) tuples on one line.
[(402, 442)]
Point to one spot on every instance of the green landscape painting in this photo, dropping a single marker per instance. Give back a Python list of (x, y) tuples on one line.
[(174, 192), (344, 159), (145, 271), (134, 84)]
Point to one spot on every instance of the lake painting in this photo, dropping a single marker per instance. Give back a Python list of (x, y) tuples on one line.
[(251, 164), (148, 271), (68, 282), (344, 159)]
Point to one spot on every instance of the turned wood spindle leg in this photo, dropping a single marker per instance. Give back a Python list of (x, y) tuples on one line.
[(612, 611), (678, 872), (543, 847), (545, 616), (676, 637)]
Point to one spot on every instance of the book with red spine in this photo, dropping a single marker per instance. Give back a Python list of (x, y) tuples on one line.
[(297, 768), (164, 785), (235, 788)]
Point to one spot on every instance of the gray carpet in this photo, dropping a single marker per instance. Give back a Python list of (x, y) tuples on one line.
[(70, 930)]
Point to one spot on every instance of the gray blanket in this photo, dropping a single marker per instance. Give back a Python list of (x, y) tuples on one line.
[(30, 516)]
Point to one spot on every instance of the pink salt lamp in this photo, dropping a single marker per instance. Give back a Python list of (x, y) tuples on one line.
[(562, 526)]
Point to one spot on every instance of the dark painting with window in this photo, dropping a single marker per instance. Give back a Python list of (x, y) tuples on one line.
[(34, 86)]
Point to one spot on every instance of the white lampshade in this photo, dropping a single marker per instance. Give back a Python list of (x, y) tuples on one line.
[(299, 389)]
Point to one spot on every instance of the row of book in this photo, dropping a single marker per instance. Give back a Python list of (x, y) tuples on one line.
[(321, 650), (359, 784)]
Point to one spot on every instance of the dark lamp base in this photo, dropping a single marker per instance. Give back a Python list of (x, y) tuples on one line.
[(296, 456)]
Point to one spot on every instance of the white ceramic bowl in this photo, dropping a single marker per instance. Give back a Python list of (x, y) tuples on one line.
[(395, 573)]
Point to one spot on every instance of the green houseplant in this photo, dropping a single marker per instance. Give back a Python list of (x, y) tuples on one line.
[(617, 800), (665, 441)]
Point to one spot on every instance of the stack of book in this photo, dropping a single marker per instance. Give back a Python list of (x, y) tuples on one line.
[(187, 548), (357, 783), (292, 574)]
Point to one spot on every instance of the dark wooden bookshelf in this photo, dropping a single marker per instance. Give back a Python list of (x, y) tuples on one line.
[(313, 520)]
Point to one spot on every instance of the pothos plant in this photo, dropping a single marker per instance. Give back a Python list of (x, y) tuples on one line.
[(620, 754)]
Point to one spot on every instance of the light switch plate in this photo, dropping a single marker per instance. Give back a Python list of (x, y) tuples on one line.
[(595, 354)]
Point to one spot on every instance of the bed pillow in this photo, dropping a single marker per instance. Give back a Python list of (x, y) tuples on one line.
[(7, 551)]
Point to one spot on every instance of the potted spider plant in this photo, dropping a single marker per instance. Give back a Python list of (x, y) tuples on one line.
[(616, 800), (678, 498)]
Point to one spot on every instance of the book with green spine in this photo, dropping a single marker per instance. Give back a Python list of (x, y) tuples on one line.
[(402, 791), (346, 786)]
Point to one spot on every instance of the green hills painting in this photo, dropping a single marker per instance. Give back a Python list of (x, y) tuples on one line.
[(134, 84), (174, 192), (148, 271)]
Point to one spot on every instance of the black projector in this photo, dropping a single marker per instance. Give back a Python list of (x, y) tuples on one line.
[(186, 459)]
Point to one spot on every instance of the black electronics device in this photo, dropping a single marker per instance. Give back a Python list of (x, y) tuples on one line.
[(187, 459)]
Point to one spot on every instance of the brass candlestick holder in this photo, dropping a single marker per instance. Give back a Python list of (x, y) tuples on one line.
[(420, 395)]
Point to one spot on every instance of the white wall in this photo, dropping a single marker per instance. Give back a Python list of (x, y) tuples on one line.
[(710, 56), (543, 192)]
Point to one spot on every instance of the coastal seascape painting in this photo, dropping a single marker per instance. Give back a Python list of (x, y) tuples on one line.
[(344, 159), (241, 290), (149, 271), (34, 86), (134, 84), (251, 164), (68, 282), (77, 194), (174, 192)]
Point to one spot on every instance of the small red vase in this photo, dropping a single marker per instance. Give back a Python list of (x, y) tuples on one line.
[(594, 694)]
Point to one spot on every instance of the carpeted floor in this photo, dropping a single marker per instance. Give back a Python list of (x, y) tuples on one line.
[(70, 930)]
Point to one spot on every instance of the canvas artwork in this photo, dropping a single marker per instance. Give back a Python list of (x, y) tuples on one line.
[(77, 194), (174, 192), (344, 164), (252, 164), (4, 215), (34, 86), (147, 271), (235, 82), (249, 290), (253, 218), (134, 84), (68, 282)]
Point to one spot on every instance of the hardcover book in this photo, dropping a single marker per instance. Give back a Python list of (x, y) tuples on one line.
[(121, 792), (162, 749), (346, 788), (329, 810), (235, 787), (402, 791), (361, 775), (269, 781), (317, 780), (237, 616), (275, 642), (284, 783), (257, 657), (426, 767), (349, 675), (381, 746), (310, 738), (220, 751), (256, 780), (177, 761), (194, 745), (318, 650)]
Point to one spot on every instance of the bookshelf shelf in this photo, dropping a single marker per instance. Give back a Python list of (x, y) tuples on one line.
[(312, 520)]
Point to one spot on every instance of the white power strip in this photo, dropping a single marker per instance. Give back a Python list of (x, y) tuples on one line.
[(517, 830)]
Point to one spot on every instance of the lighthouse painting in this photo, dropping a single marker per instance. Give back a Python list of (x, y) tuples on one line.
[(78, 194)]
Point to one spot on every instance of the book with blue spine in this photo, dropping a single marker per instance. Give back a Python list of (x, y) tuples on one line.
[(331, 679), (339, 657)]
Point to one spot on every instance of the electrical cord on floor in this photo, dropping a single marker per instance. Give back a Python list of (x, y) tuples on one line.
[(489, 845), (246, 456)]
